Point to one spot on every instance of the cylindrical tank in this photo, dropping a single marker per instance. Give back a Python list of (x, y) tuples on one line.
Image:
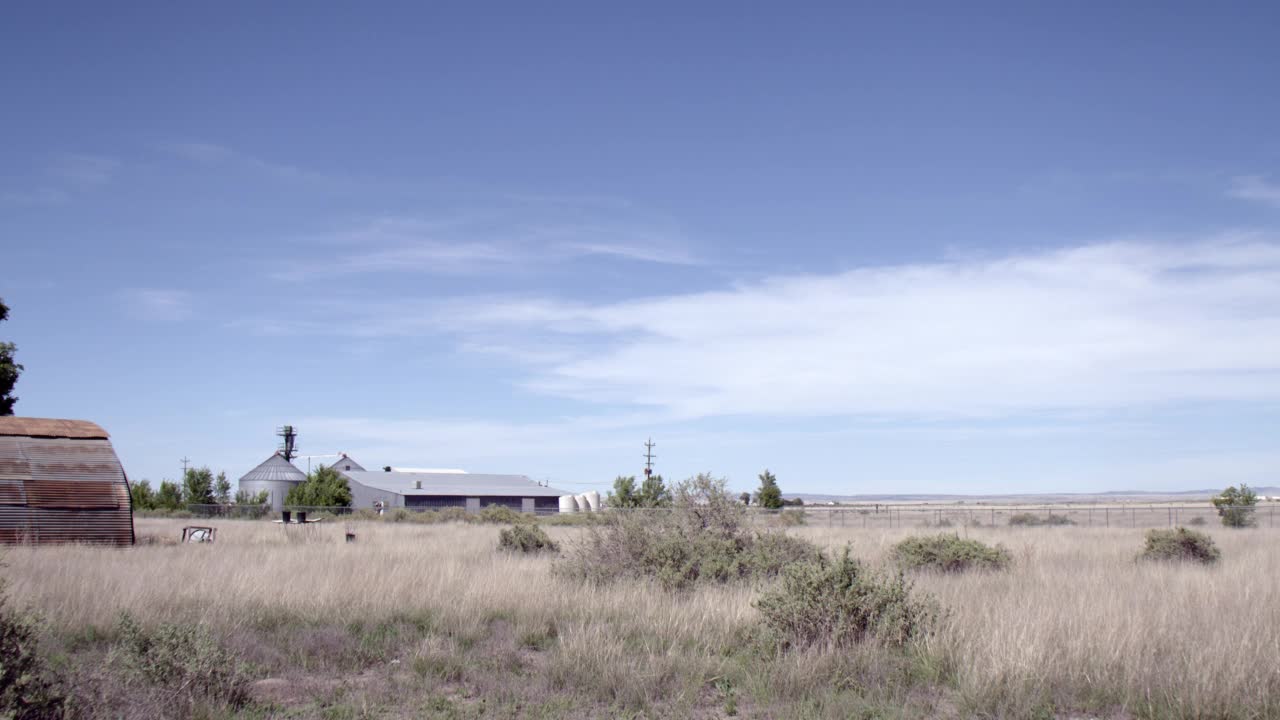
[(593, 500), (568, 504), (583, 505)]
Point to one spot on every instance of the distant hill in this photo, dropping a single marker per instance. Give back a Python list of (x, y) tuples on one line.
[(1110, 495)]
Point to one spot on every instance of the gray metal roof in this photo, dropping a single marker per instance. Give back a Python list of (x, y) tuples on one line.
[(342, 463), (275, 468), (455, 484)]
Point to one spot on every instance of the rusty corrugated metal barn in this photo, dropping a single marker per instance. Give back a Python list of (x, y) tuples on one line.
[(61, 482)]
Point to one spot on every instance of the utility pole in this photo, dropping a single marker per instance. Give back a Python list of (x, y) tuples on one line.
[(184, 467), (648, 458)]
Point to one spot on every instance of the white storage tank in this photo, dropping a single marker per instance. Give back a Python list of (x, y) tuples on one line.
[(568, 504), (593, 500), (583, 505)]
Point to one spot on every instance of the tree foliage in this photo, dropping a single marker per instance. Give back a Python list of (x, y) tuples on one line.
[(1236, 506), (324, 487), (769, 496), (222, 489), (653, 492), (197, 486), (169, 496), (244, 497), (144, 498), (624, 493), (9, 370)]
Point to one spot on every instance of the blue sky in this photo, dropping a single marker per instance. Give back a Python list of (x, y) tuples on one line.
[(978, 248)]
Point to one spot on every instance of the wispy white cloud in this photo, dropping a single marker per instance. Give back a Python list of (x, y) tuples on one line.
[(1094, 327), (159, 305), (61, 177), (81, 169), (214, 155), (476, 243), (1256, 188)]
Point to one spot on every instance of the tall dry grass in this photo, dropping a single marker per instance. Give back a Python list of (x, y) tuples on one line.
[(1075, 624)]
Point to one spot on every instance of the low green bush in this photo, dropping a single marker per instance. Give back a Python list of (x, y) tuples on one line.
[(28, 689), (1033, 520), (502, 514), (184, 659), (706, 536), (1180, 544), (949, 553), (526, 538), (791, 518), (838, 602)]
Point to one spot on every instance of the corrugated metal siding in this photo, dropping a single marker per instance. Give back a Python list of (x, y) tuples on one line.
[(63, 490)]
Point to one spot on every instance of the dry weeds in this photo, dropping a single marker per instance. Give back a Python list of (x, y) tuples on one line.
[(1075, 626)]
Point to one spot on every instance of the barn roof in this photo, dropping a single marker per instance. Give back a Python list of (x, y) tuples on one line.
[(344, 461), (453, 484), (51, 428), (275, 468), (61, 482)]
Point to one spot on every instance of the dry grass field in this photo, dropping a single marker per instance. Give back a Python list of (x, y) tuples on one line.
[(433, 621)]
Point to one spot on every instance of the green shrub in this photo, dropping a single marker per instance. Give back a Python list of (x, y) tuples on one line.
[(1180, 544), (501, 514), (1197, 520), (28, 689), (526, 538), (1033, 520), (836, 603), (1236, 506), (791, 518), (949, 553), (184, 659), (704, 537)]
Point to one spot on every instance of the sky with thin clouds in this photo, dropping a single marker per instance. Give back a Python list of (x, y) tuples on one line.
[(945, 249)]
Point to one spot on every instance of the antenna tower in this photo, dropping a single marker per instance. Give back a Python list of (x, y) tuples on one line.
[(289, 447), (648, 457)]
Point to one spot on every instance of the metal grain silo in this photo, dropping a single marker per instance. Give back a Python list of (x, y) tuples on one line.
[(583, 504), (61, 482), (568, 504), (593, 500), (276, 476)]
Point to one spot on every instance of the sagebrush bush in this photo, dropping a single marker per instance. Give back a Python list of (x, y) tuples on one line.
[(28, 690), (497, 514), (526, 538), (1180, 544), (949, 553), (704, 537), (1197, 520), (1033, 520), (838, 602), (185, 659), (791, 518)]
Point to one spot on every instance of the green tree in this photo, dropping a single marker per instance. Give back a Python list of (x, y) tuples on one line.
[(624, 493), (324, 487), (169, 496), (1236, 506), (222, 489), (9, 370), (197, 486), (244, 497), (769, 496), (144, 498), (654, 493)]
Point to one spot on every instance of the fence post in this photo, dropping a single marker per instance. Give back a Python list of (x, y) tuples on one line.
[(1106, 514)]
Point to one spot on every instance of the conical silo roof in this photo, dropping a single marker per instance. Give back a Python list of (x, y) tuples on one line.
[(275, 468)]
